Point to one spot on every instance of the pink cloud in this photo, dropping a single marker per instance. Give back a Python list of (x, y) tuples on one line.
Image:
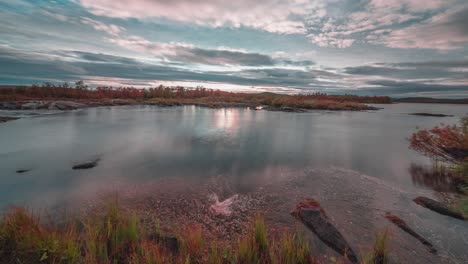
[(97, 25), (277, 16), (330, 40)]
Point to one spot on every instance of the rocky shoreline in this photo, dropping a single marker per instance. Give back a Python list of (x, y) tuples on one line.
[(74, 105)]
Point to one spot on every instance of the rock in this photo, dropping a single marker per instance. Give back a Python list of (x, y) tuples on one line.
[(311, 214), (51, 106), (22, 171), (169, 242), (285, 109), (429, 114), (68, 105), (30, 105), (403, 226), (7, 118), (438, 207), (8, 106), (86, 165)]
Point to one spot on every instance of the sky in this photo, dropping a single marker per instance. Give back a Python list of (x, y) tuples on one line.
[(399, 48)]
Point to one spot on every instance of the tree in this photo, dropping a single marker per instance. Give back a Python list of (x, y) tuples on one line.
[(444, 143), (80, 85)]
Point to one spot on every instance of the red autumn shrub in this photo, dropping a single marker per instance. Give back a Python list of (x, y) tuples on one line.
[(445, 143)]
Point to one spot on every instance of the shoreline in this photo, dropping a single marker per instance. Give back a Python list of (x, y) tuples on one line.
[(64, 105)]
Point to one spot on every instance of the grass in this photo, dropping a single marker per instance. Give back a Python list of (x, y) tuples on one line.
[(117, 236), (462, 206), (379, 253)]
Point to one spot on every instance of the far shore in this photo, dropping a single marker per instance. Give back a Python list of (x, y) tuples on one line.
[(64, 104), (65, 97)]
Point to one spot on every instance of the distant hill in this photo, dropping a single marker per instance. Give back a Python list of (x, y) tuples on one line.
[(429, 100)]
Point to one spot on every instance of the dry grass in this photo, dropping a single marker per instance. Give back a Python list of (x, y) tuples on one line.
[(116, 236)]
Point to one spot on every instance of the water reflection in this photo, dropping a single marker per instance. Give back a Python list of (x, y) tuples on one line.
[(437, 179), (247, 147)]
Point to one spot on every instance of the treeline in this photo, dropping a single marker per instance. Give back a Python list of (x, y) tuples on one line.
[(80, 91)]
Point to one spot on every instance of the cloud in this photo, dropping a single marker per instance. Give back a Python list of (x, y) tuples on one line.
[(110, 29), (276, 16), (373, 20), (28, 67), (446, 31), (404, 87), (394, 79), (183, 52), (414, 70), (328, 40)]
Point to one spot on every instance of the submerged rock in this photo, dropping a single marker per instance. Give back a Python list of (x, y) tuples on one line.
[(429, 114), (311, 214), (7, 118), (403, 226), (438, 207), (86, 165)]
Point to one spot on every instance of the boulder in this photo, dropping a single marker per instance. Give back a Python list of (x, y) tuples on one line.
[(438, 207), (311, 214), (403, 226)]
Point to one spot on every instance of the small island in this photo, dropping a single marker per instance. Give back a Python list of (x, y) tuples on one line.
[(64, 97)]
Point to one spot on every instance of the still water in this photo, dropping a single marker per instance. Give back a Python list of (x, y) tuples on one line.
[(140, 143)]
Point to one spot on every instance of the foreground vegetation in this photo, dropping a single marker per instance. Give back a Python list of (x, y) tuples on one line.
[(117, 236), (448, 146), (181, 95)]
